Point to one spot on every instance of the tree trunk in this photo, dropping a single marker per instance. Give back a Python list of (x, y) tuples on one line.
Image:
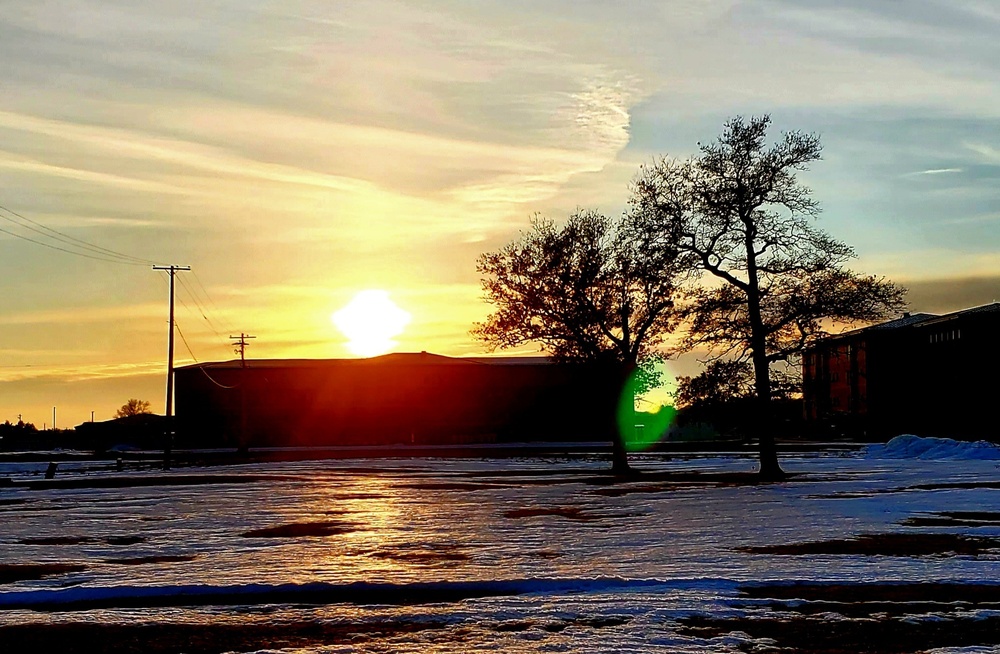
[(619, 453), (762, 423)]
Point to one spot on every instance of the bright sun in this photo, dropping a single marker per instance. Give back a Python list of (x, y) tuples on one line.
[(370, 321)]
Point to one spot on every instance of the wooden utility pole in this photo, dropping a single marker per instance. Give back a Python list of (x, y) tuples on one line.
[(240, 347), (169, 408)]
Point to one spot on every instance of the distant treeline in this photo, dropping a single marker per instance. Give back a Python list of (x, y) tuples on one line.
[(140, 431), (724, 420)]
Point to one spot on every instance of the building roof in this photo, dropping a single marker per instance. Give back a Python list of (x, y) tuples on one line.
[(396, 358), (906, 320), (993, 307), (985, 309), (918, 320)]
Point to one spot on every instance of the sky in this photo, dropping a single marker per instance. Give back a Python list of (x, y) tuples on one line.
[(295, 153)]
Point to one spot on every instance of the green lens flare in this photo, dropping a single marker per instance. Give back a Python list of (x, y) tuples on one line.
[(641, 430)]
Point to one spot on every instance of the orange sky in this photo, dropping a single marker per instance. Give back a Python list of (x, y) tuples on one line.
[(295, 154)]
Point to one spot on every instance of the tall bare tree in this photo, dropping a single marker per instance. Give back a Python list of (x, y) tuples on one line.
[(585, 291), (737, 212), (133, 407)]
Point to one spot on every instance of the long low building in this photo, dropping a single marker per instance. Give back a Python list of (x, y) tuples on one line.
[(922, 374), (415, 398)]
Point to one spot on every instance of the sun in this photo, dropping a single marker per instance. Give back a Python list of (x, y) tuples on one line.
[(371, 321)]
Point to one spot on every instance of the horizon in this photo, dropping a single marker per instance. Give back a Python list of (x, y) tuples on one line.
[(296, 158)]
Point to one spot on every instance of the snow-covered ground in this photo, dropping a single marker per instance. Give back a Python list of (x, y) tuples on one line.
[(522, 554)]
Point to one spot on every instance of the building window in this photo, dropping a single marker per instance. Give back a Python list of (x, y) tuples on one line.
[(945, 336)]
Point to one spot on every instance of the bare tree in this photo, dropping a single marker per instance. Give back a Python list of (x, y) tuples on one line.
[(586, 291), (722, 381), (737, 212), (133, 407)]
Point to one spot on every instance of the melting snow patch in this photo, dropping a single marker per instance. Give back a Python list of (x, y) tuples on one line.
[(909, 446)]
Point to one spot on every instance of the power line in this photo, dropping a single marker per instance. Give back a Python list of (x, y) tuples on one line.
[(79, 254), (201, 367), (165, 278), (208, 297), (55, 234), (202, 310), (217, 383), (96, 251), (185, 341)]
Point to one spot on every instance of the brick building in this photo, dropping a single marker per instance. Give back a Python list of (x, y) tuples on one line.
[(924, 374)]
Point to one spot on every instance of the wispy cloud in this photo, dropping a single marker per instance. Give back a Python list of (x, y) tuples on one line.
[(917, 265), (79, 315), (295, 154), (85, 373), (933, 171), (22, 165), (943, 295), (982, 219), (988, 152)]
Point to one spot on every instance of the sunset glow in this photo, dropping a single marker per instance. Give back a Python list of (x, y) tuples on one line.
[(371, 321), (292, 154)]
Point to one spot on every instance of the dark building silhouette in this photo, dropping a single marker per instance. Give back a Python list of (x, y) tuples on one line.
[(397, 398), (143, 431), (922, 374)]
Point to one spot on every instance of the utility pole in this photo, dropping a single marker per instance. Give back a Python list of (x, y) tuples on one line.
[(169, 409), (53, 418), (240, 347)]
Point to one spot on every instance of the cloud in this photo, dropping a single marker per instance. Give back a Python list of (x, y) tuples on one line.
[(933, 171), (914, 266), (981, 219), (82, 373), (415, 182), (949, 36), (944, 295), (987, 152), (80, 315), (134, 145), (296, 153), (10, 162)]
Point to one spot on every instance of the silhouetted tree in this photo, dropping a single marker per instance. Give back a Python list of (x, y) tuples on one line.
[(18, 427), (724, 393), (585, 291), (737, 212), (721, 381), (133, 407), (725, 380)]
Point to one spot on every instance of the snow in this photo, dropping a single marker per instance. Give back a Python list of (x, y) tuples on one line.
[(447, 541), (908, 446)]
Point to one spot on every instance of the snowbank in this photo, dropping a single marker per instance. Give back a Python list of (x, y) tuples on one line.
[(909, 446)]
